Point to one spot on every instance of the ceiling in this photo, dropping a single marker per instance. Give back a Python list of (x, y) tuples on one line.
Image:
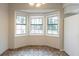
[(38, 11), (46, 8)]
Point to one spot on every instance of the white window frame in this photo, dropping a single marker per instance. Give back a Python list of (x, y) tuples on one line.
[(54, 35), (26, 26), (30, 17)]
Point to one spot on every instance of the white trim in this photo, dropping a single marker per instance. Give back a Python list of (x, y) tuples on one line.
[(47, 26), (30, 17), (24, 34)]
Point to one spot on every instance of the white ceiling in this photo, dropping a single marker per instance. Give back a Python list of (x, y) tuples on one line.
[(48, 7), (38, 11)]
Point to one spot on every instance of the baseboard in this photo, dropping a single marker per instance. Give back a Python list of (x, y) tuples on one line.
[(31, 46)]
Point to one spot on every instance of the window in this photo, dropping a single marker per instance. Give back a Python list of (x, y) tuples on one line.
[(36, 25), (20, 25), (52, 25)]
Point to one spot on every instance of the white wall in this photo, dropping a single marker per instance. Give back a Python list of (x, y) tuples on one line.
[(36, 40), (3, 27), (71, 35)]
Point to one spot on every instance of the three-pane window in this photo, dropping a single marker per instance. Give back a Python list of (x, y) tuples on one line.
[(36, 25)]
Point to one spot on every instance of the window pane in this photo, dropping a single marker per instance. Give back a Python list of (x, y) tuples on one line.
[(20, 27), (20, 20), (36, 25), (36, 28), (53, 29), (52, 25), (23, 27), (53, 20), (20, 31), (52, 32), (36, 21), (50, 21)]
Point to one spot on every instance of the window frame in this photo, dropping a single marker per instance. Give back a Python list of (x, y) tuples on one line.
[(55, 35), (42, 17), (26, 32)]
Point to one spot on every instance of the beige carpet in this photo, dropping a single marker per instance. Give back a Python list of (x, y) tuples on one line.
[(34, 51)]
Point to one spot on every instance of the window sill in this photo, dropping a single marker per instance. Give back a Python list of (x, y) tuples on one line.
[(52, 35), (20, 35), (37, 34)]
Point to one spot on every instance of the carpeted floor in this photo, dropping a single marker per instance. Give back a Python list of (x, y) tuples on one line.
[(34, 51)]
